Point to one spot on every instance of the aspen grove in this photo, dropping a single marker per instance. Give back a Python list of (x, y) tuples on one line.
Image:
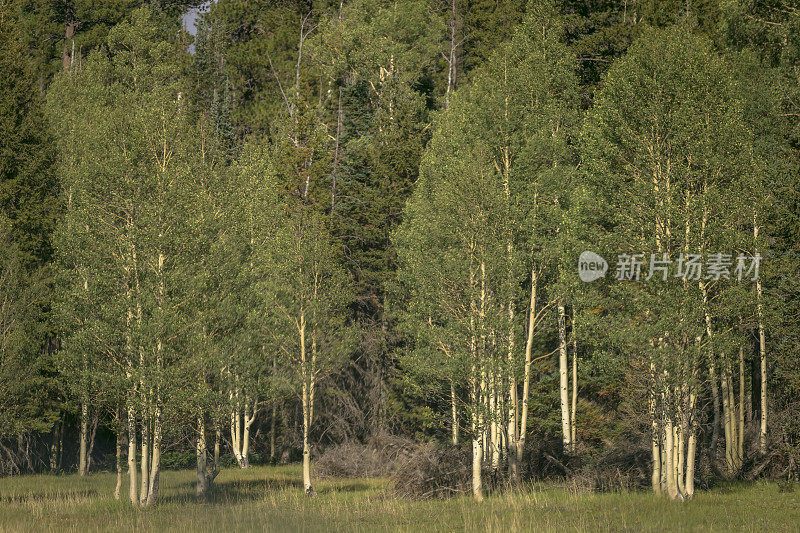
[(464, 245)]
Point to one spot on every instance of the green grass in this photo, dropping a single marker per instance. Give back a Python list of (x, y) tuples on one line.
[(272, 499)]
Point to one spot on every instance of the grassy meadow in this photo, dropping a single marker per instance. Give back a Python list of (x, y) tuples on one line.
[(272, 499)]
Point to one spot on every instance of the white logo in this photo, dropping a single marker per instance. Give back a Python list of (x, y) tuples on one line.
[(591, 266)]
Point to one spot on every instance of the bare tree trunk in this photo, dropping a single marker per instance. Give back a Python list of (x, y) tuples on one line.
[(118, 488), (574, 408), (145, 458), (307, 378), (83, 466), (563, 372), (155, 461), (691, 448), (205, 478), (454, 412), (762, 350), (134, 495), (523, 424), (669, 443), (217, 441), (726, 419), (248, 421), (740, 412), (272, 431), (476, 399), (655, 436)]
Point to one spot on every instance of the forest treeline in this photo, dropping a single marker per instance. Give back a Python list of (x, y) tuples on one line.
[(313, 224)]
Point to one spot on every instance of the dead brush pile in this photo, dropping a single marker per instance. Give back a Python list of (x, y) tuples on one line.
[(378, 457), (433, 471)]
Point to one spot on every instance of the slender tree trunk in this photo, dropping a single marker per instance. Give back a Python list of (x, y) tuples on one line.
[(134, 495), (476, 394), (217, 442), (740, 411), (494, 425), (306, 404), (155, 460), (574, 407), (669, 443), (563, 372), (205, 478), (118, 487), (691, 447), (454, 412), (248, 421), (272, 431), (145, 485), (762, 351), (83, 466), (655, 435), (523, 424), (726, 419)]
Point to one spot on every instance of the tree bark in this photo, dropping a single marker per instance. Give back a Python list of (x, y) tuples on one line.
[(523, 424), (453, 413), (118, 487), (574, 381), (83, 466), (563, 372)]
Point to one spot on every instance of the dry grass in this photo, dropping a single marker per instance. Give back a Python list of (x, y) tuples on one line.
[(272, 499)]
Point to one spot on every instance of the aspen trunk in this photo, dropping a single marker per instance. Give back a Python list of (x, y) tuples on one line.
[(740, 410), (563, 372), (83, 465), (134, 495), (118, 487), (762, 351), (523, 425), (691, 446), (655, 436), (574, 407), (306, 399), (248, 421), (201, 456), (309, 489), (155, 460), (205, 478), (669, 443), (145, 460), (217, 440), (454, 412), (476, 399), (236, 427), (493, 421), (726, 420), (477, 458), (272, 432)]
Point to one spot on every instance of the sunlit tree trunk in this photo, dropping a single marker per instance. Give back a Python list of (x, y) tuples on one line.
[(83, 465), (307, 379), (655, 435), (563, 373), (453, 413), (523, 424), (118, 424)]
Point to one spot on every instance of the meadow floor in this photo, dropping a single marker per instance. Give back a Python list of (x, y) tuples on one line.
[(272, 499)]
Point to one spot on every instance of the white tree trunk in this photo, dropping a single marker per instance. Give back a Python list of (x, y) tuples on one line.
[(454, 412), (83, 465), (523, 424), (563, 372), (134, 495)]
